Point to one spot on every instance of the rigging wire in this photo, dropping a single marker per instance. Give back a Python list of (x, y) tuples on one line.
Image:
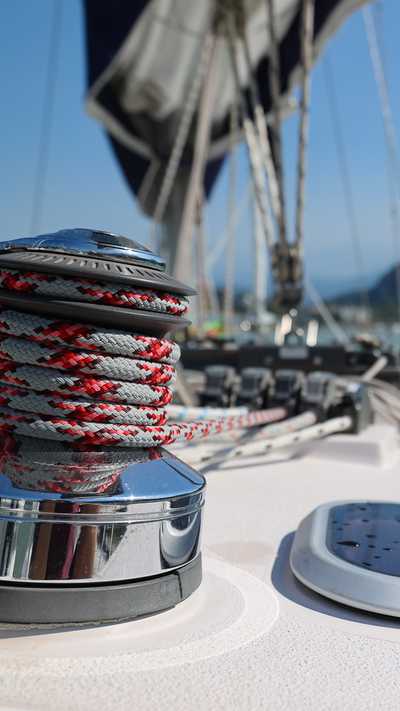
[(260, 267), (375, 47), (252, 141), (207, 299), (377, 8), (274, 81), (47, 118), (275, 184), (346, 182), (307, 34), (379, 70), (261, 126), (274, 171), (269, 194), (233, 221), (202, 139), (182, 133), (213, 303), (203, 298), (336, 330), (229, 287)]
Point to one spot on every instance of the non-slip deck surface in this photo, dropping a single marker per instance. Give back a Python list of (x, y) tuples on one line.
[(251, 637)]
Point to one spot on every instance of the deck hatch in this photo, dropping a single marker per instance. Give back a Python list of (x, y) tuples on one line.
[(349, 551), (367, 535)]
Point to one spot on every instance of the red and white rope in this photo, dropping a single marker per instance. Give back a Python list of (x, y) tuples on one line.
[(87, 337), (91, 385), (88, 290), (127, 435)]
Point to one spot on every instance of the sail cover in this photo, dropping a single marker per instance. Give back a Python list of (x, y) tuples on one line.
[(142, 57)]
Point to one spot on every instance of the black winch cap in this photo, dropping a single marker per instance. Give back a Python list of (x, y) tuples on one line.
[(92, 254), (103, 257)]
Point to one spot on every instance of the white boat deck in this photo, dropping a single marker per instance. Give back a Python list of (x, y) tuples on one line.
[(251, 637)]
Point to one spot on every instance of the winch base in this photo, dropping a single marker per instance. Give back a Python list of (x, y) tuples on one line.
[(30, 604)]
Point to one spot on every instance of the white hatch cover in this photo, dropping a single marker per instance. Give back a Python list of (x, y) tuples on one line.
[(350, 551)]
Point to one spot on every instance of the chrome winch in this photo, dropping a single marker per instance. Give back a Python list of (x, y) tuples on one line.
[(91, 254), (88, 533)]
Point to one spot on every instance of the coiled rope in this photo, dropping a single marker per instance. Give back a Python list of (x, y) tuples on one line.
[(87, 384), (31, 465)]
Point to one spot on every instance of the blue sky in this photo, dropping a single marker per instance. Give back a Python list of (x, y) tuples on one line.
[(85, 188)]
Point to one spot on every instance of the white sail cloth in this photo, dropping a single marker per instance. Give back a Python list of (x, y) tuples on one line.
[(151, 72)]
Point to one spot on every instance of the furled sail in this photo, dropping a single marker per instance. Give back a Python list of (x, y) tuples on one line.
[(143, 59)]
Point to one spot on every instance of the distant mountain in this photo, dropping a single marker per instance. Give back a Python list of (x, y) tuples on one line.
[(382, 295), (329, 287), (385, 290)]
